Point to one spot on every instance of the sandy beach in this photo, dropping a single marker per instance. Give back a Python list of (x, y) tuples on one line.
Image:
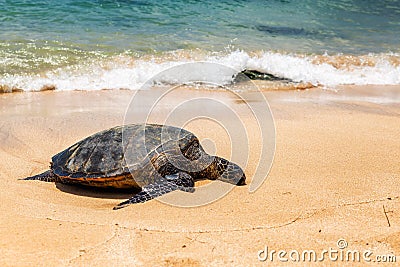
[(335, 175)]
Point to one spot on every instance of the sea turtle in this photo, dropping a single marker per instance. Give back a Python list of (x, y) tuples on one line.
[(155, 158)]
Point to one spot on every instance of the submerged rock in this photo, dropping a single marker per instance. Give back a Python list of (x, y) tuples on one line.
[(282, 30), (8, 89), (256, 75)]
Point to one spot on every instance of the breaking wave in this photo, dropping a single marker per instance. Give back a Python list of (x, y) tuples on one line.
[(129, 72)]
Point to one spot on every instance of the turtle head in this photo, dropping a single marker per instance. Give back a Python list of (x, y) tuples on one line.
[(227, 171), (212, 167)]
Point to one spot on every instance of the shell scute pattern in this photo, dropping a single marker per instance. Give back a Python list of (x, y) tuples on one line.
[(99, 155), (117, 151)]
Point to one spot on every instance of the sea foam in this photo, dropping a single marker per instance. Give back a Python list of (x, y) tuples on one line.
[(125, 72)]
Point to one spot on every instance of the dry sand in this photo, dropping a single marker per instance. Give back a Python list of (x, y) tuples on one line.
[(336, 174)]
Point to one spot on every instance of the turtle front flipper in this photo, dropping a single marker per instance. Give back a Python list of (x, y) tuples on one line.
[(179, 181), (47, 176)]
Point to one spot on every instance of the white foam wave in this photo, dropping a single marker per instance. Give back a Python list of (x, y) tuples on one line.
[(133, 73), (303, 69)]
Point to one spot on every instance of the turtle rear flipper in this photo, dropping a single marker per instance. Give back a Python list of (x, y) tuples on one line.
[(47, 176), (180, 181)]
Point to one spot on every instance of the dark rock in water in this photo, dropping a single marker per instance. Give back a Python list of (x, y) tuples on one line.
[(282, 30), (8, 89), (48, 87), (256, 75), (275, 31)]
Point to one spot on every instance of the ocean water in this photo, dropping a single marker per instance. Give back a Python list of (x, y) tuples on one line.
[(94, 44)]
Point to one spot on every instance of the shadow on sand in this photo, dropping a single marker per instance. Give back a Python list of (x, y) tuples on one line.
[(110, 193)]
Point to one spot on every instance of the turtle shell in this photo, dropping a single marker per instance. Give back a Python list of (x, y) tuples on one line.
[(117, 151)]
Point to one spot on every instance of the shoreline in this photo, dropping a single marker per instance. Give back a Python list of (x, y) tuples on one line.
[(182, 66), (335, 175)]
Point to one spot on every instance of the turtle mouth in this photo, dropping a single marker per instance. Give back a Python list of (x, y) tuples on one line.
[(242, 180), (235, 181)]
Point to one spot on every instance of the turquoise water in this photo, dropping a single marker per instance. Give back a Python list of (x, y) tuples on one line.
[(345, 26), (41, 36)]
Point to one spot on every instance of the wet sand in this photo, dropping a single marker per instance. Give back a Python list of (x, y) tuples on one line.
[(335, 175)]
